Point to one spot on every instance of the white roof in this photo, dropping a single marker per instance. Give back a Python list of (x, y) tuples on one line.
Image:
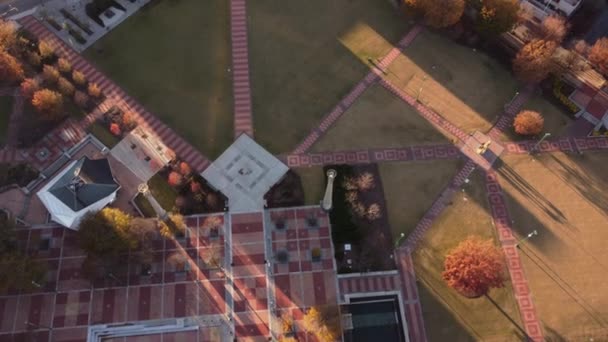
[(63, 214), (244, 173)]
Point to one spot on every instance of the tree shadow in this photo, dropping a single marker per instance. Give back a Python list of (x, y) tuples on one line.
[(520, 330)]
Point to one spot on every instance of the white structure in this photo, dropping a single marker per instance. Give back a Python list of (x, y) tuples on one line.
[(244, 173), (543, 8), (85, 185)]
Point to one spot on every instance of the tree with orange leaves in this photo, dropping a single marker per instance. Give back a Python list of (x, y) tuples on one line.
[(598, 55), (474, 267), (528, 122), (442, 13), (533, 62)]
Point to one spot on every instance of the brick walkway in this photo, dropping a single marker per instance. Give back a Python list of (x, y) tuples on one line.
[(433, 118), (144, 118), (354, 94), (410, 153), (568, 144), (411, 301), (369, 283), (243, 121), (502, 222), (511, 109)]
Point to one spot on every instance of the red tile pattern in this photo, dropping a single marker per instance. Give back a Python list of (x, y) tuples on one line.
[(363, 283), (411, 302), (243, 122)]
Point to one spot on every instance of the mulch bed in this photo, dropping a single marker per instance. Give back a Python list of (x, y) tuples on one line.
[(289, 192), (370, 239)]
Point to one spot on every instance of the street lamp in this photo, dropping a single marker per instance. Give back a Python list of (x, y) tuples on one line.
[(531, 234), (398, 242), (545, 136), (511, 101)]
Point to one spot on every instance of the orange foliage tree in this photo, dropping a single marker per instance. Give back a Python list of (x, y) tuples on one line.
[(50, 74), (533, 62), (29, 86), (497, 16), (555, 28), (115, 129), (10, 68), (474, 267), (528, 122), (598, 55), (47, 102), (442, 13), (175, 178), (323, 322)]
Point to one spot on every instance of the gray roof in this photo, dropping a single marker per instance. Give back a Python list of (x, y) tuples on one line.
[(86, 182)]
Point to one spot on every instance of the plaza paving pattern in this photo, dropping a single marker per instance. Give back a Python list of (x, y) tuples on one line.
[(251, 286)]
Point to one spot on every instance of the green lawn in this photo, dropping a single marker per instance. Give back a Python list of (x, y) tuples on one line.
[(556, 118), (103, 134), (467, 87), (450, 316), (6, 107), (378, 119), (313, 182), (164, 194), (174, 56), (306, 55)]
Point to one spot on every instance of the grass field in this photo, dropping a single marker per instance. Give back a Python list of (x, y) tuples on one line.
[(6, 107), (103, 134), (556, 118), (448, 315), (378, 119), (174, 56), (465, 86), (313, 182), (306, 55), (564, 198), (411, 188)]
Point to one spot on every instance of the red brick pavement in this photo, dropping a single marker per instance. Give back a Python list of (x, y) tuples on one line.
[(427, 220), (433, 118), (411, 302), (364, 283), (121, 98), (567, 144), (352, 96), (364, 156), (243, 121), (511, 109), (502, 221)]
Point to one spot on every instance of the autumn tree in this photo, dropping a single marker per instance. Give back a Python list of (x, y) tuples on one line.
[(78, 78), (442, 13), (323, 322), (65, 86), (598, 55), (34, 59), (528, 122), (10, 68), (47, 102), (533, 62), (115, 129), (581, 47), (185, 169), (554, 28), (173, 225), (474, 267), (50, 74), (46, 49), (8, 35), (175, 178), (497, 16), (29, 86), (94, 90), (64, 65)]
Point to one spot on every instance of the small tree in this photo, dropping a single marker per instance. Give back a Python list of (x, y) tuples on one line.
[(47, 102), (174, 225), (555, 28), (115, 129), (528, 122), (497, 16), (581, 47), (185, 169), (65, 87), (323, 322), (598, 55), (94, 90), (34, 59), (442, 13), (474, 267), (533, 62), (8, 35), (46, 49), (81, 99), (195, 187), (50, 74), (365, 181), (374, 212), (128, 120), (78, 78), (64, 65), (175, 179), (29, 86), (10, 68), (107, 233)]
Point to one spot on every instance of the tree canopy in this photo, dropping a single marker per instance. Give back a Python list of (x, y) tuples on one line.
[(534, 62), (497, 16)]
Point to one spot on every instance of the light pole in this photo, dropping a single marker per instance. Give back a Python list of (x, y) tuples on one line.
[(36, 284), (398, 242), (545, 136), (511, 101), (531, 234)]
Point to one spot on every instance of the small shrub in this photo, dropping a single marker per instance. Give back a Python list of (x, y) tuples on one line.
[(373, 212), (351, 197), (29, 86), (94, 90), (365, 181), (184, 169), (282, 256), (34, 59), (557, 92), (175, 179), (10, 68), (50, 74), (195, 187), (128, 120), (349, 184), (81, 99), (47, 102), (78, 78), (359, 209), (115, 129), (46, 50), (65, 87), (64, 65), (316, 253), (528, 122)]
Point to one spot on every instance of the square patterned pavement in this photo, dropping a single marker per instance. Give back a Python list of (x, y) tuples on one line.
[(185, 279)]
